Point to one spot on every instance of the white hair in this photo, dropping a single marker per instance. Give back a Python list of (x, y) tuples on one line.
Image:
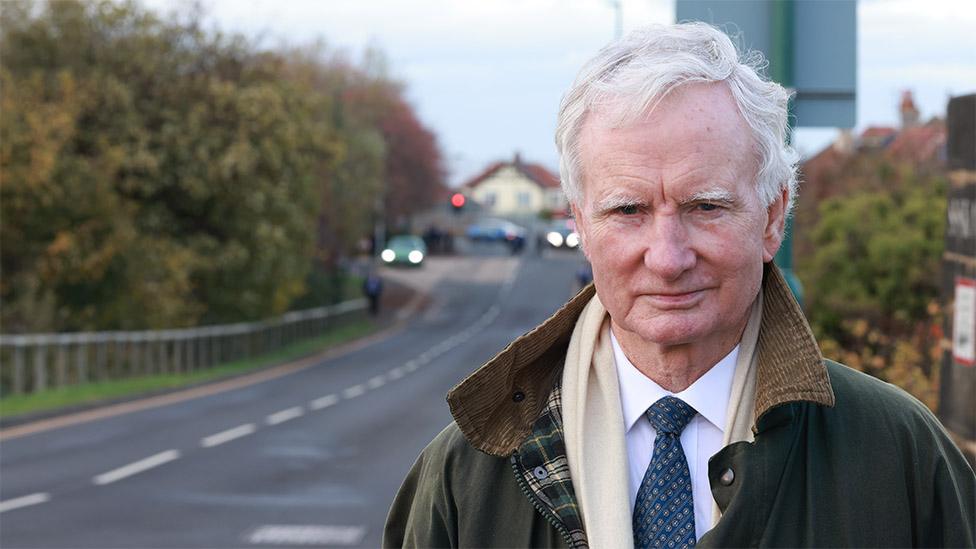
[(640, 69)]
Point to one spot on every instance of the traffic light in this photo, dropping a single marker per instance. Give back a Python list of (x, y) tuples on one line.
[(457, 202)]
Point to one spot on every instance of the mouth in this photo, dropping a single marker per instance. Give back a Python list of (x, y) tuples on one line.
[(675, 300)]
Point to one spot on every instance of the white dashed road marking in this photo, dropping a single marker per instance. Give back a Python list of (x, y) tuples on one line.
[(290, 534), (285, 415), (137, 467), (323, 402), (376, 382), (306, 534), (24, 501), (228, 435)]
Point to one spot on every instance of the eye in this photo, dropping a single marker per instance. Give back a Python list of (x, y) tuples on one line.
[(629, 209), (707, 206)]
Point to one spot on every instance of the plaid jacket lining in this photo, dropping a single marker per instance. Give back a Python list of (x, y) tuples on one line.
[(545, 468)]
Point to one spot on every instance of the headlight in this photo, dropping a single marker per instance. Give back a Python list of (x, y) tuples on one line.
[(555, 239), (415, 257), (388, 255), (572, 240)]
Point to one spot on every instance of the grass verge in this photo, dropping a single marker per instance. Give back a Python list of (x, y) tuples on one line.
[(89, 393)]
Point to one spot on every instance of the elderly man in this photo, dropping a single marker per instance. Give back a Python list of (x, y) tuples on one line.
[(684, 400)]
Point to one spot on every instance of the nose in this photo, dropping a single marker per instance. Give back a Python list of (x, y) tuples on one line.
[(668, 253)]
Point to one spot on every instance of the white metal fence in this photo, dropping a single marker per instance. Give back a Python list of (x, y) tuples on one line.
[(35, 362)]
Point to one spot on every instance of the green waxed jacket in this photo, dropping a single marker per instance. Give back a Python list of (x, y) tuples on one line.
[(840, 459)]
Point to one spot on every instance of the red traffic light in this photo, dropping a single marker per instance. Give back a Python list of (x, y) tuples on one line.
[(457, 200)]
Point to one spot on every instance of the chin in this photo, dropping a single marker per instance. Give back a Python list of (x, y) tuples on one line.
[(668, 331)]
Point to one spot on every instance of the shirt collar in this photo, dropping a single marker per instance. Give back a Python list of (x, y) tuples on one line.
[(708, 395)]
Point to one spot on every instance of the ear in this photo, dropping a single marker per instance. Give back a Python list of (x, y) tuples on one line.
[(775, 225), (580, 226)]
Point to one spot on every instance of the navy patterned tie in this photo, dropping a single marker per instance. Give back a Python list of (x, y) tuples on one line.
[(664, 515)]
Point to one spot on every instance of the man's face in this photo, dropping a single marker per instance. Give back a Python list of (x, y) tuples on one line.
[(671, 220)]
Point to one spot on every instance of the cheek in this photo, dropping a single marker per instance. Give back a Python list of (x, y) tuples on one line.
[(615, 260), (742, 278), (612, 247)]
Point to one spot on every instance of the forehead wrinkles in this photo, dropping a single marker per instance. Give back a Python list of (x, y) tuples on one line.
[(706, 128)]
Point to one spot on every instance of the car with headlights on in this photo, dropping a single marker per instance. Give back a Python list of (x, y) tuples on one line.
[(404, 250), (562, 234)]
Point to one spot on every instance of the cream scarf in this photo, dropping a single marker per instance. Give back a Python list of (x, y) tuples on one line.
[(593, 423)]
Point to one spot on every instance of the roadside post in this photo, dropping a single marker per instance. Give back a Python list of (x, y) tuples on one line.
[(957, 395)]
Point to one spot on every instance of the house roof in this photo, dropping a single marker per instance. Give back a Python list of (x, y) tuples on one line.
[(819, 174), (878, 132), (536, 173), (919, 143)]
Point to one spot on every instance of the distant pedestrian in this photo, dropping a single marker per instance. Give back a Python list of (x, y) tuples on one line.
[(584, 275), (373, 288)]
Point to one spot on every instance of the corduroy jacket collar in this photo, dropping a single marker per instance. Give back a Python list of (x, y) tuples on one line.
[(496, 406)]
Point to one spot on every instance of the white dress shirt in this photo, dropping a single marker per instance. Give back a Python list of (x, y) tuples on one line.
[(701, 438)]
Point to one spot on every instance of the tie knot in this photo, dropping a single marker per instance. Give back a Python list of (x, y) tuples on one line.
[(670, 415)]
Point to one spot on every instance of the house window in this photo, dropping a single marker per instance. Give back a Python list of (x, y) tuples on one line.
[(524, 199), (489, 200)]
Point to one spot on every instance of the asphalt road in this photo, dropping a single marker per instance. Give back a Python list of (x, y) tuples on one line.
[(311, 458)]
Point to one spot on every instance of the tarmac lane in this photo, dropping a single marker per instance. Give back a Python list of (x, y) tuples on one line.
[(312, 457)]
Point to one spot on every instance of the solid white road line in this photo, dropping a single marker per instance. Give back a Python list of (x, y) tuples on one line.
[(285, 415), (323, 402), (136, 467), (24, 501), (411, 366), (396, 373), (228, 435), (376, 382), (354, 391)]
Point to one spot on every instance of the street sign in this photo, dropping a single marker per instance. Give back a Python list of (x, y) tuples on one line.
[(811, 46)]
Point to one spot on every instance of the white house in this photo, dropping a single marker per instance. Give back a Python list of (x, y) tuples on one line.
[(516, 188)]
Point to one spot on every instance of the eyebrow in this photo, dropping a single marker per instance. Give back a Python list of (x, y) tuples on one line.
[(716, 195), (615, 201)]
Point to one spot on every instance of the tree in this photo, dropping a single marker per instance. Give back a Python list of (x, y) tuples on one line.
[(872, 278), (413, 171), (158, 175), (414, 167), (153, 175)]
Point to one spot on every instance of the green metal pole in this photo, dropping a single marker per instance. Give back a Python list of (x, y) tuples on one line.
[(781, 69)]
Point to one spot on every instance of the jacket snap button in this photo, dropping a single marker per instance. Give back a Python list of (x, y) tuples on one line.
[(540, 473), (519, 396), (727, 478)]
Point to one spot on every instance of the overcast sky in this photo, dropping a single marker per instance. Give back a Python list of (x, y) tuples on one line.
[(487, 75)]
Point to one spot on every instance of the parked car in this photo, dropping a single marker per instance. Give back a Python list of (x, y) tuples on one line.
[(562, 234), (495, 230), (404, 250), (498, 230)]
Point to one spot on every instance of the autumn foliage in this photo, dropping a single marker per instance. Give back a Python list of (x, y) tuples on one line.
[(154, 174), (869, 258)]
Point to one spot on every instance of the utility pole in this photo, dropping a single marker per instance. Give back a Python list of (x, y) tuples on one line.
[(379, 225), (618, 18), (782, 72)]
